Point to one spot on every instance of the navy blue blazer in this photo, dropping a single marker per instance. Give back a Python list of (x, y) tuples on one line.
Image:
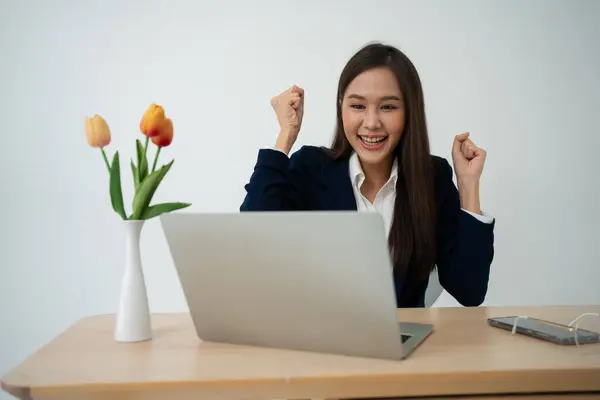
[(311, 180)]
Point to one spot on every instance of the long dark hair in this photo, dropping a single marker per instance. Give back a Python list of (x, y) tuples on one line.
[(412, 234)]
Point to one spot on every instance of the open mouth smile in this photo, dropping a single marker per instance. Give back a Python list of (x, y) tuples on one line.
[(372, 142)]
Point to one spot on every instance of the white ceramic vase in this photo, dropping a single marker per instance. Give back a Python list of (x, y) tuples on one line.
[(133, 316)]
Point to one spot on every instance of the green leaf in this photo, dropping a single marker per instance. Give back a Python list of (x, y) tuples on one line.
[(116, 196), (156, 210), (139, 150), (148, 186), (136, 177), (142, 161)]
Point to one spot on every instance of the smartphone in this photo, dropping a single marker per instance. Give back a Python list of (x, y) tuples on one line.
[(545, 330)]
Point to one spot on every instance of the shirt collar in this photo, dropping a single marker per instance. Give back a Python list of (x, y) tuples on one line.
[(357, 176)]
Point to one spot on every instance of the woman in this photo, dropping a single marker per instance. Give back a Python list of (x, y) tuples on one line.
[(380, 161)]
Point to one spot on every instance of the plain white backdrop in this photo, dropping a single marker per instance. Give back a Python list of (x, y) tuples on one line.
[(523, 77)]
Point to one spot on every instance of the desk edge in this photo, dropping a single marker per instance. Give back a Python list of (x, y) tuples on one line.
[(20, 392)]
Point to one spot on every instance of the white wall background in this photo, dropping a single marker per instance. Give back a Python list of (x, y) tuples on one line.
[(523, 77)]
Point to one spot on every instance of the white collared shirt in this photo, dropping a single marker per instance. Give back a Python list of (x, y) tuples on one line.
[(385, 198)]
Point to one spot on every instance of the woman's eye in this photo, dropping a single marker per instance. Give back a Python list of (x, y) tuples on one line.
[(389, 107), (357, 106)]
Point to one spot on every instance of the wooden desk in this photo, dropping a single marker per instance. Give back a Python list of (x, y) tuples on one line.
[(463, 357)]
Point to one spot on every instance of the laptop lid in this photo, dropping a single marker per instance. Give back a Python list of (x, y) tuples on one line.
[(314, 281)]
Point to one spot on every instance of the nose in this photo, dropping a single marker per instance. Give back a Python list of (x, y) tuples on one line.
[(372, 121)]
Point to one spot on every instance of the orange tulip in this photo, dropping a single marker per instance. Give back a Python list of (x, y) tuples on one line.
[(97, 131), (165, 134), (164, 138), (152, 120)]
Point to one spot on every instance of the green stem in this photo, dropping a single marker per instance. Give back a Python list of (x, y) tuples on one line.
[(105, 160), (156, 159)]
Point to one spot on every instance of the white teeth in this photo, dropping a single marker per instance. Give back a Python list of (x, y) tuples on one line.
[(372, 140)]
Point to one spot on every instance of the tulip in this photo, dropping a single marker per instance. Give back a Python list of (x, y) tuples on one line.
[(151, 123), (97, 134), (165, 134), (163, 139), (152, 120), (97, 131)]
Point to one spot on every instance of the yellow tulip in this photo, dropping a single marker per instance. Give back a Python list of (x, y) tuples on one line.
[(97, 131), (152, 120)]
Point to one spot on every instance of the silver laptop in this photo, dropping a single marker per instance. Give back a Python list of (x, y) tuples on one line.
[(310, 281)]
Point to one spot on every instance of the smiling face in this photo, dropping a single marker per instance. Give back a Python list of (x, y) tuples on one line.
[(373, 115)]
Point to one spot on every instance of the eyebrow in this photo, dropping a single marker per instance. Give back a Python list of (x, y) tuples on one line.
[(359, 97)]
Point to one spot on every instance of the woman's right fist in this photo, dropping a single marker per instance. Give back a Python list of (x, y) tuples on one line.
[(289, 108)]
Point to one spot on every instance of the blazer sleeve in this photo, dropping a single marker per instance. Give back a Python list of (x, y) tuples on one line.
[(465, 246), (278, 183)]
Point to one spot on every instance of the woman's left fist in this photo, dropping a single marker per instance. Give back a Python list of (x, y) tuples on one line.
[(468, 159)]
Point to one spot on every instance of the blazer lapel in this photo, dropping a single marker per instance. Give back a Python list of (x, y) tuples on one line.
[(337, 188)]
